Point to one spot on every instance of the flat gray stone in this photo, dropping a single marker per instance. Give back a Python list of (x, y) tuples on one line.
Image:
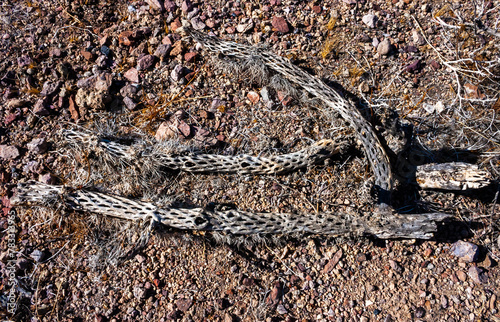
[(467, 252)]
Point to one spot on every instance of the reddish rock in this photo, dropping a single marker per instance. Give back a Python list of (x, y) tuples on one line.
[(140, 50), (104, 40), (230, 30), (5, 201), (414, 67), (125, 38), (487, 262), (435, 64), (175, 24), (141, 32), (317, 9), (72, 108), (61, 102), (8, 152), (332, 262), (177, 49), (205, 114), (190, 75), (253, 97), (184, 128), (280, 24), (361, 257), (248, 282), (9, 118), (87, 54), (294, 279), (201, 131), (132, 75), (184, 304), (128, 90), (4, 178), (210, 23), (129, 103), (275, 295), (187, 6), (395, 266), (167, 40), (190, 57), (473, 92), (145, 62), (284, 98), (170, 6)]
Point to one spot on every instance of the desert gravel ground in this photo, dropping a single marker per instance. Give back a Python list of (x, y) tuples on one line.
[(430, 68)]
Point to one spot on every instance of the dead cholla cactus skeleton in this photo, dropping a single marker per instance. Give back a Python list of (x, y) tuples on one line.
[(332, 101), (148, 159), (452, 176)]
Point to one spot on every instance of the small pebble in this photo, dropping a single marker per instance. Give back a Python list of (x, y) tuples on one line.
[(281, 309), (419, 312), (384, 47), (177, 73), (38, 146), (129, 103), (370, 20), (38, 255), (253, 97), (132, 75), (8, 152), (184, 304), (145, 62), (280, 24), (197, 24), (477, 275), (186, 6), (163, 51), (47, 178)]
